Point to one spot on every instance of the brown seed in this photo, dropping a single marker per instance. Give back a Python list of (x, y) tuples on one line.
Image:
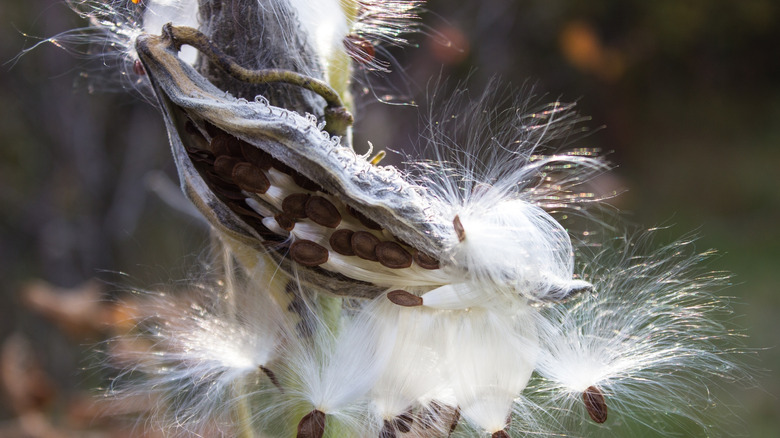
[(223, 166), (359, 49), (242, 209), (256, 156), (295, 205), (431, 415), (368, 223), (595, 404), (225, 144), (305, 183), (312, 425), (212, 130), (500, 434), (250, 178), (455, 420), (272, 377), (288, 224), (341, 242), (323, 212), (364, 245), (393, 255), (459, 230), (403, 422), (388, 431), (281, 167), (308, 253), (425, 261), (404, 298), (138, 68)]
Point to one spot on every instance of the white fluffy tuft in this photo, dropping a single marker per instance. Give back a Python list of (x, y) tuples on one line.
[(647, 337)]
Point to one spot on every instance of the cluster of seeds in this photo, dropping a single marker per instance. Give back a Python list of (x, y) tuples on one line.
[(302, 220)]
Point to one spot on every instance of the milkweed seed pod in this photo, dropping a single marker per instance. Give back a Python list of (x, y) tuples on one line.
[(357, 299)]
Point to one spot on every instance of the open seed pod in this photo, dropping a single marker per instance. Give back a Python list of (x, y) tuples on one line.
[(272, 181)]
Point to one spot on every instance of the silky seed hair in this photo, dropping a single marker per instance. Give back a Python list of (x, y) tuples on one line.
[(467, 309)]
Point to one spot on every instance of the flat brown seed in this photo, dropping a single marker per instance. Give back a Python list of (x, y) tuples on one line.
[(393, 255), (455, 420), (312, 425), (250, 178), (286, 223), (308, 253), (459, 230), (388, 431), (305, 183), (341, 242), (323, 212), (425, 261), (295, 205), (500, 434), (404, 298), (225, 144), (368, 223), (256, 156), (272, 377), (223, 166), (403, 422), (595, 404), (364, 245)]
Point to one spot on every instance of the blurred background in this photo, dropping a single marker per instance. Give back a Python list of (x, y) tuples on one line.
[(688, 93)]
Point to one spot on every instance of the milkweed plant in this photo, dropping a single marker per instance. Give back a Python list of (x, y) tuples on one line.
[(346, 298)]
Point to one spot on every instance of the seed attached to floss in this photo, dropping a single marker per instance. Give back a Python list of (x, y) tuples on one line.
[(368, 223), (272, 377), (223, 166), (138, 67), (425, 261), (393, 255), (312, 425), (341, 242), (225, 144), (459, 230), (295, 205), (285, 222), (360, 49), (250, 178), (403, 422), (595, 404), (305, 183), (500, 434), (308, 253), (322, 212), (364, 244), (256, 156), (388, 430), (404, 298)]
